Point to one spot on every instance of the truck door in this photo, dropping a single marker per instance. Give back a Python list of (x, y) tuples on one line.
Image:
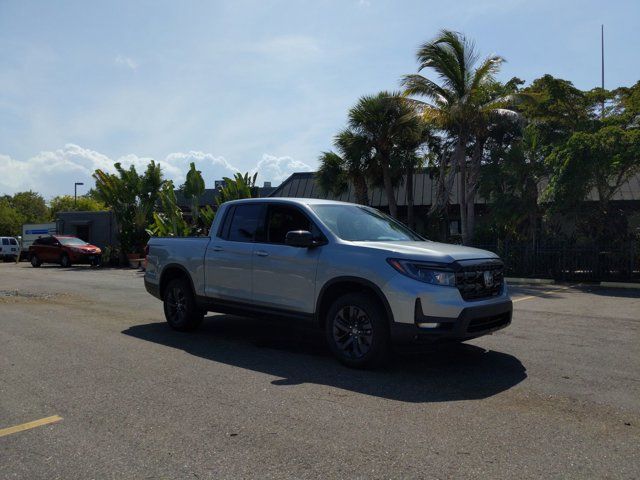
[(229, 256), (285, 276)]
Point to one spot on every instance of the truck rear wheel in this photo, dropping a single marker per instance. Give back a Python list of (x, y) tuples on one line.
[(180, 308), (357, 332)]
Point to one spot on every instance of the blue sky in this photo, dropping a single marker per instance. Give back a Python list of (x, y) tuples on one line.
[(246, 85)]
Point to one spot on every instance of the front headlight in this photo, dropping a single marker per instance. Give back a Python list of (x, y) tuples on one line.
[(425, 272)]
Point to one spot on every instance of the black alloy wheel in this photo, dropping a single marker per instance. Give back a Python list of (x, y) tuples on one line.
[(353, 331), (357, 330), (180, 308)]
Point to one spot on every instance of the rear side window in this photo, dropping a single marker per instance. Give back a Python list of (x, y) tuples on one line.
[(5, 241), (245, 222)]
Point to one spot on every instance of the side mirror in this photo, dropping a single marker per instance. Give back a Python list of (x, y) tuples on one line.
[(299, 238)]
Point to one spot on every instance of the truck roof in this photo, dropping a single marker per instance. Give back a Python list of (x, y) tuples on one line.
[(299, 201)]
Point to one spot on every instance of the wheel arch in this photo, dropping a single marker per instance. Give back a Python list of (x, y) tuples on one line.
[(339, 286), (170, 272)]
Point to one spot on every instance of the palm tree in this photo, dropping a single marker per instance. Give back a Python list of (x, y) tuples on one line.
[(384, 120), (412, 150), (350, 164), (458, 103)]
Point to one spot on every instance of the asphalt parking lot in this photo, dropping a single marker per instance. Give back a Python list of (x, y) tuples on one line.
[(118, 395)]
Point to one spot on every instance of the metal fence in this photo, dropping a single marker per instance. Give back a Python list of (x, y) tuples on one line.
[(567, 263)]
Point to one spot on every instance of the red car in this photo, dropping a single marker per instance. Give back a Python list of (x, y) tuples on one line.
[(64, 250)]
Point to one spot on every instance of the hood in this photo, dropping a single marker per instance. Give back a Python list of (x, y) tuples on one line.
[(429, 251)]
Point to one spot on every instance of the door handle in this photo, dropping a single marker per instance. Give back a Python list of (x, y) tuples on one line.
[(262, 253), (216, 248)]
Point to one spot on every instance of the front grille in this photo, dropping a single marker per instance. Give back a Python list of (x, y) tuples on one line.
[(470, 280), (488, 323)]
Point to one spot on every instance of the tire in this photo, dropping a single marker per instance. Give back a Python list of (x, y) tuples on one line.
[(65, 261), (180, 308), (35, 261), (357, 331)]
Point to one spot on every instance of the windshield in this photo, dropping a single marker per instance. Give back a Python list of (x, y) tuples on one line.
[(70, 241), (362, 224)]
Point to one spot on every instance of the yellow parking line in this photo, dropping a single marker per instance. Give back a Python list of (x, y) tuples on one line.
[(28, 425), (541, 293)]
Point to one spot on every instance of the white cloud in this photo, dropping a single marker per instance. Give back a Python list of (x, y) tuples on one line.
[(277, 169), (364, 3), (54, 172), (128, 62)]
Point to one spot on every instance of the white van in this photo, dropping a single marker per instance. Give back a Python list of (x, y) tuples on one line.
[(33, 231), (9, 249)]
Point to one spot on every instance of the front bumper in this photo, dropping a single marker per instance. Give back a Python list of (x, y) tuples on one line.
[(472, 322)]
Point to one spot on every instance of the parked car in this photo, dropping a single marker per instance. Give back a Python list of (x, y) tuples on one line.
[(64, 250), (9, 249), (364, 278)]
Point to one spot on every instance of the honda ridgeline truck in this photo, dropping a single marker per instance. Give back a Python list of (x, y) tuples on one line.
[(361, 276)]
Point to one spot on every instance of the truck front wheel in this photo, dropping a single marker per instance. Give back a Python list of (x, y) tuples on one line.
[(180, 308), (357, 332)]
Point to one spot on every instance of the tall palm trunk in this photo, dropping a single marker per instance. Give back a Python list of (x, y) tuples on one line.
[(360, 189), (388, 183), (388, 189), (460, 160), (472, 182)]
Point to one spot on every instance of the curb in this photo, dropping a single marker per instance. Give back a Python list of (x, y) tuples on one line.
[(547, 281), (620, 285)]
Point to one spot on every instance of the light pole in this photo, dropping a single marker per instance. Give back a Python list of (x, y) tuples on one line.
[(75, 193)]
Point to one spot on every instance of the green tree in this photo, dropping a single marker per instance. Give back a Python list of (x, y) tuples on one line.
[(458, 104), (10, 219), (352, 164), (132, 197), (67, 203), (30, 206), (385, 120), (238, 187), (193, 189), (168, 221), (602, 161)]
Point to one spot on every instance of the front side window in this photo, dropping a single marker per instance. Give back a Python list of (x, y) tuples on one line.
[(245, 221), (282, 219), (362, 224), (13, 241)]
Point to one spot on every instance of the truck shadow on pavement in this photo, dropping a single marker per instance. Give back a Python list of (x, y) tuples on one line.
[(298, 355)]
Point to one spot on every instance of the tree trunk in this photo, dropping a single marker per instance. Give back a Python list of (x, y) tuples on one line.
[(461, 162), (471, 188), (410, 213), (361, 189), (388, 188), (462, 199)]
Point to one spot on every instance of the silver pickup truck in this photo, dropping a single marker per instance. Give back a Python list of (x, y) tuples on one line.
[(364, 278)]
